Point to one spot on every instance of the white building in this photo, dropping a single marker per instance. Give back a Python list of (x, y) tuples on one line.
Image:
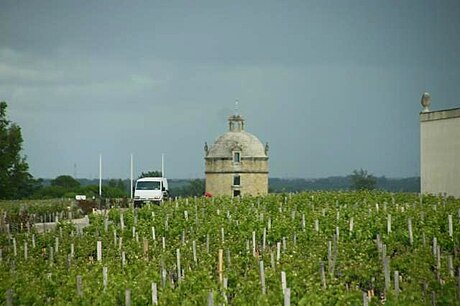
[(439, 150)]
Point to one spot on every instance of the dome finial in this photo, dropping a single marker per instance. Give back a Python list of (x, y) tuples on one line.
[(235, 121), (426, 101)]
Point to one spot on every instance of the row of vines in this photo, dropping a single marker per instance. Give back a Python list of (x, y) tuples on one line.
[(318, 248)]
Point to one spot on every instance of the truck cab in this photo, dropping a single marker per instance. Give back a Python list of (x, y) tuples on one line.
[(150, 189)]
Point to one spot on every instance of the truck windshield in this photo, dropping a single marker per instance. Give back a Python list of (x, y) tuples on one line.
[(148, 186)]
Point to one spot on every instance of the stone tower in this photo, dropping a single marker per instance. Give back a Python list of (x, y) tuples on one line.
[(237, 163)]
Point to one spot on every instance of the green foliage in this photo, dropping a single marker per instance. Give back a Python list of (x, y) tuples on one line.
[(65, 186), (65, 181), (362, 180), (17, 213), (195, 188), (117, 184), (151, 174), (357, 265), (113, 192), (50, 192), (408, 184), (15, 180)]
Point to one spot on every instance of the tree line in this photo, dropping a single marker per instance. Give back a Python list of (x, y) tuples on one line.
[(356, 181)]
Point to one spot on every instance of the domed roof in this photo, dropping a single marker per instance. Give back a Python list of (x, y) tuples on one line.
[(248, 144)]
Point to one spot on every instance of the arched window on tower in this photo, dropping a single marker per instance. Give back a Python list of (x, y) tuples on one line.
[(236, 156)]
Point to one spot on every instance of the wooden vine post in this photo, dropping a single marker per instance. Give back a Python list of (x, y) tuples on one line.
[(411, 237), (9, 297), (287, 297), (221, 266), (283, 281), (262, 276), (99, 250), (127, 297), (178, 265), (79, 286), (154, 294)]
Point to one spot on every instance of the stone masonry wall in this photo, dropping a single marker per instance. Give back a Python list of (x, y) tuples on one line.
[(440, 152), (253, 174), (250, 183)]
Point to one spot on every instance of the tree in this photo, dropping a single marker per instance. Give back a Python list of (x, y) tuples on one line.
[(195, 187), (151, 174), (50, 192), (14, 175), (113, 192), (362, 180), (30, 188), (65, 181)]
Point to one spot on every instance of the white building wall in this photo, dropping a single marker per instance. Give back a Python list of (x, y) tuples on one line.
[(440, 152)]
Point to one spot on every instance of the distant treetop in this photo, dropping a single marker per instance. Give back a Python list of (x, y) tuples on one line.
[(362, 180), (151, 174)]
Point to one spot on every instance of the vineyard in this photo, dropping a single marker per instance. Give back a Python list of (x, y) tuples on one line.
[(318, 248)]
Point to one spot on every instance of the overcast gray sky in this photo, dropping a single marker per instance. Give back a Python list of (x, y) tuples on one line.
[(331, 85)]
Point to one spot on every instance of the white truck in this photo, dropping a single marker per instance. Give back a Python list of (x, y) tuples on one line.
[(151, 189)]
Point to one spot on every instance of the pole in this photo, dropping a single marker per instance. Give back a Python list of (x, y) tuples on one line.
[(131, 186), (162, 165), (100, 175)]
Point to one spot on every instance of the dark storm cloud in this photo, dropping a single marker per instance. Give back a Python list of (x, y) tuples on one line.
[(331, 85)]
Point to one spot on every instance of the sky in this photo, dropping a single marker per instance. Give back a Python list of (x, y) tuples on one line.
[(332, 86)]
